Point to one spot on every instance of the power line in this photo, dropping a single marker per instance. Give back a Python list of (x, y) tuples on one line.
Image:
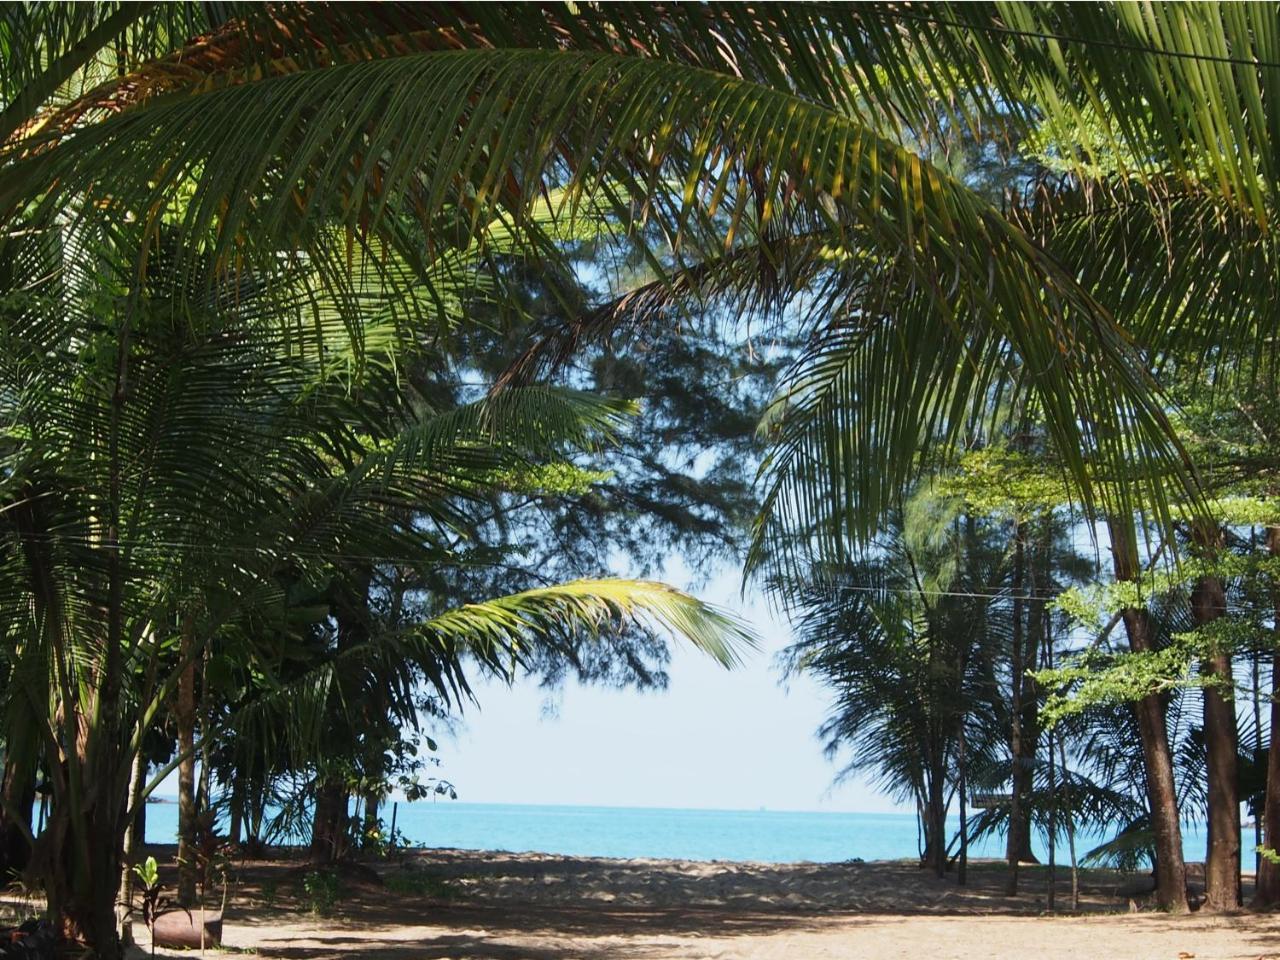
[(979, 595), (224, 550), (320, 554), (1086, 41)]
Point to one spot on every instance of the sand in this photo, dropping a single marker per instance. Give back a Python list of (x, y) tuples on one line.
[(466, 905)]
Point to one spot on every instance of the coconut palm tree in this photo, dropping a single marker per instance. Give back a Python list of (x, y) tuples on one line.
[(174, 463), (754, 152)]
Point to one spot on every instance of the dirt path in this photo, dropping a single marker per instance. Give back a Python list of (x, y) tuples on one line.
[(473, 906)]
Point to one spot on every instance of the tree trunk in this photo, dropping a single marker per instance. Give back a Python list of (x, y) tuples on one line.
[(329, 829), (1256, 703), (1162, 795), (372, 802), (1071, 826), (88, 913), (139, 826), (1221, 736), (1052, 893), (86, 845), (185, 714), (1267, 889), (1029, 698), (962, 875), (936, 827), (236, 818), (15, 815), (134, 838), (1015, 842)]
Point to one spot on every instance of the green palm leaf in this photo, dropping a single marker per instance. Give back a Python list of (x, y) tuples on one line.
[(599, 607)]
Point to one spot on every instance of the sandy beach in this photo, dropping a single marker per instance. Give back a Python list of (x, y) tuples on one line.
[(467, 905)]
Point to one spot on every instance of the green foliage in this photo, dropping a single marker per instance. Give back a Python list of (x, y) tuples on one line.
[(560, 479), (417, 883), (323, 891), (270, 891), (229, 292), (1002, 482), (147, 872), (148, 877), (1097, 678)]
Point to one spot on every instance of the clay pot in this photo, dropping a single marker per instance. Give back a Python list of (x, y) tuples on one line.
[(178, 928)]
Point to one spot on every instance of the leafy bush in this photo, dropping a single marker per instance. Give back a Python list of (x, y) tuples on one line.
[(418, 884), (323, 892)]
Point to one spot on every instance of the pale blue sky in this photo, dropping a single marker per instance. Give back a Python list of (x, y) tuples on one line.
[(715, 738)]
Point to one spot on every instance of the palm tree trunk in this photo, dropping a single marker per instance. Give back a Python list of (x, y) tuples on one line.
[(1052, 893), (961, 762), (185, 714), (936, 826), (1267, 889), (1256, 702), (330, 822), (372, 801), (85, 882), (1014, 840), (133, 839), (236, 814), (15, 814), (1071, 826), (1222, 860), (1029, 726)]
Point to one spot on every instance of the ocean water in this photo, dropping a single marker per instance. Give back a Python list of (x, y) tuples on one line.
[(775, 836)]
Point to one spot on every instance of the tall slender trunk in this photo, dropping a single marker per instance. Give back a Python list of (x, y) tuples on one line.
[(133, 839), (204, 795), (1256, 702), (1052, 893), (1162, 796), (185, 714), (1014, 841), (92, 787), (372, 802), (1071, 826), (139, 823), (961, 762), (1037, 626), (936, 825), (330, 831), (236, 818), (1221, 736), (1267, 888)]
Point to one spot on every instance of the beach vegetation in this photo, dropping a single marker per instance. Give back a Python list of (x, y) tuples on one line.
[(323, 892), (344, 348)]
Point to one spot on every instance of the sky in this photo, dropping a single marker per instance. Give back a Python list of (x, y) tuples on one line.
[(714, 739)]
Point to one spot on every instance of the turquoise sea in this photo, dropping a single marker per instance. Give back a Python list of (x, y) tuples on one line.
[(763, 835)]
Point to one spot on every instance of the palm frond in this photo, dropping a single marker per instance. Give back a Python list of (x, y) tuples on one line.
[(597, 606)]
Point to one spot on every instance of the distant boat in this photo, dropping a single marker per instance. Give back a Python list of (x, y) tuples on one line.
[(161, 800)]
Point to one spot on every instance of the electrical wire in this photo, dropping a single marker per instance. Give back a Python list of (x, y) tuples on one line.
[(1083, 41), (391, 559)]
